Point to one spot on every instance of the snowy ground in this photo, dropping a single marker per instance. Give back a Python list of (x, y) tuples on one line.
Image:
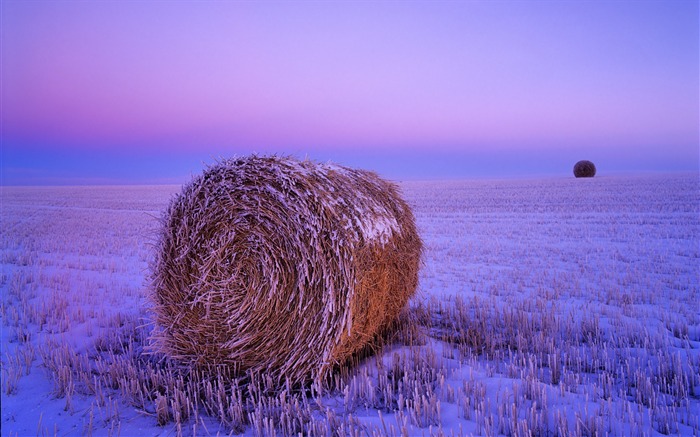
[(554, 306)]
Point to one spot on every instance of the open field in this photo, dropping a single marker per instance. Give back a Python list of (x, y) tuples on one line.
[(554, 306)]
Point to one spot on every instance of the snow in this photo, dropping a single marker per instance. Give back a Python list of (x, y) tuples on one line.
[(583, 296), (376, 224), (378, 228)]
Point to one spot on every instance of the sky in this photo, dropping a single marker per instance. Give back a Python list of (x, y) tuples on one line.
[(149, 92)]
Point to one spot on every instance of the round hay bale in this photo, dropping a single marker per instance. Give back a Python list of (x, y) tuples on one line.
[(283, 267), (584, 169)]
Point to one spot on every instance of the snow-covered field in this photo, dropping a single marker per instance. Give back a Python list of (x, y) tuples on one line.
[(554, 306)]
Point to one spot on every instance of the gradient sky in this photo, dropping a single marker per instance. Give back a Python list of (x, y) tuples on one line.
[(147, 92)]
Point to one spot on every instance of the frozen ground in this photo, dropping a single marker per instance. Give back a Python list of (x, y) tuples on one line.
[(554, 306)]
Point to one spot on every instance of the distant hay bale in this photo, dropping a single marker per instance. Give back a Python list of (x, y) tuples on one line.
[(278, 266), (584, 169)]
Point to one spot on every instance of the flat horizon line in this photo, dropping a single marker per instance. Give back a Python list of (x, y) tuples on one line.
[(529, 177)]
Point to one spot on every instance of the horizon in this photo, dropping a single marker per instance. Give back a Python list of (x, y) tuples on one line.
[(92, 182), (146, 92)]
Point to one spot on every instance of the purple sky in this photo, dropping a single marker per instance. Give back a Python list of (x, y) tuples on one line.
[(146, 92)]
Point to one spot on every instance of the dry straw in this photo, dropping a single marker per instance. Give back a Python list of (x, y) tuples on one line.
[(584, 169), (270, 265)]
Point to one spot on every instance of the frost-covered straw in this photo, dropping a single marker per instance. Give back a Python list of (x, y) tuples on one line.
[(283, 267)]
